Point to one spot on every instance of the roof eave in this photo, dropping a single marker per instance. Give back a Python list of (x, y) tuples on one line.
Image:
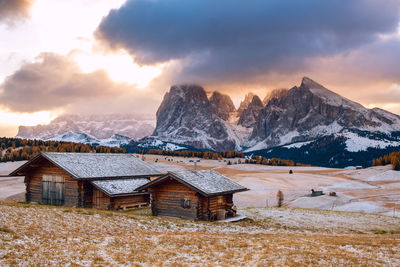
[(116, 177), (228, 192), (129, 194), (136, 192), (188, 185)]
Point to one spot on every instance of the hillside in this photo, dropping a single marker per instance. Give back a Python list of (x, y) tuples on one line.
[(42, 235)]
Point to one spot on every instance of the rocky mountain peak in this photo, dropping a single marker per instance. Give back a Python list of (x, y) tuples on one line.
[(188, 117), (249, 116), (311, 83), (221, 105), (275, 93), (311, 111), (245, 103)]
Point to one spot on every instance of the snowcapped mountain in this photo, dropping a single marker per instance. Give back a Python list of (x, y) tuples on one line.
[(307, 123), (311, 111), (113, 129), (186, 116), (308, 115), (76, 137)]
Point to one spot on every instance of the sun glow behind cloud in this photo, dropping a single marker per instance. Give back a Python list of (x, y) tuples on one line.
[(56, 28), (121, 68), (27, 119)]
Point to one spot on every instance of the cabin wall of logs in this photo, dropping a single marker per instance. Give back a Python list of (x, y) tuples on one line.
[(34, 185), (174, 199)]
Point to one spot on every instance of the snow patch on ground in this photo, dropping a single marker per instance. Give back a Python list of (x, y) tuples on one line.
[(351, 185), (364, 206), (390, 175)]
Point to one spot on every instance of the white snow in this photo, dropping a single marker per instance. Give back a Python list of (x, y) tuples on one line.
[(259, 146), (298, 145), (390, 175), (364, 206), (287, 138), (356, 143)]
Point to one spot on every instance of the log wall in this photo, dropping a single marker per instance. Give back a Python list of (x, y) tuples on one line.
[(210, 205), (167, 199), (33, 181), (100, 200)]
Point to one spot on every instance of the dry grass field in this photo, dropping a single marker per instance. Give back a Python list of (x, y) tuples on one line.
[(44, 235)]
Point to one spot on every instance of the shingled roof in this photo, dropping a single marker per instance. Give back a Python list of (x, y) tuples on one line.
[(205, 182), (96, 165), (120, 186)]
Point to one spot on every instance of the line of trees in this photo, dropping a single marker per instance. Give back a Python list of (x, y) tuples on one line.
[(225, 155), (197, 154), (16, 149), (392, 158)]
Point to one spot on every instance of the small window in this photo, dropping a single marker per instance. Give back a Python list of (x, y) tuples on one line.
[(186, 203)]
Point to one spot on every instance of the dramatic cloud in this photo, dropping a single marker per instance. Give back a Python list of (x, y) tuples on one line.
[(14, 9), (54, 81), (235, 40)]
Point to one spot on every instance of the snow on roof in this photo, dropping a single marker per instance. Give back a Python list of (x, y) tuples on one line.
[(208, 181), (98, 165), (120, 186)]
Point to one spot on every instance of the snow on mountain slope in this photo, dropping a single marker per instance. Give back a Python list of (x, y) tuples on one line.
[(299, 115), (97, 126), (76, 137), (310, 111)]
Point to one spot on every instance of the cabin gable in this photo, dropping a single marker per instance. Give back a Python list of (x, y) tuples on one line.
[(171, 198), (46, 183)]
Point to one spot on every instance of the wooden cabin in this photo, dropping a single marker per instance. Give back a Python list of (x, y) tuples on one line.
[(91, 180), (195, 195)]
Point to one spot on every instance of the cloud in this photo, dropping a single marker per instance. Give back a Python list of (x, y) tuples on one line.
[(11, 10), (53, 82), (241, 41)]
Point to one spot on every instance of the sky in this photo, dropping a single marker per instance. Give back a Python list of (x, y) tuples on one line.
[(122, 56)]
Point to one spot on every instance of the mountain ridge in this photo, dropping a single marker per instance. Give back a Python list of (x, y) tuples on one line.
[(286, 120)]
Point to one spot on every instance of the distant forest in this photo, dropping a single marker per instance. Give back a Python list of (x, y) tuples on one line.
[(392, 158), (239, 156), (16, 149)]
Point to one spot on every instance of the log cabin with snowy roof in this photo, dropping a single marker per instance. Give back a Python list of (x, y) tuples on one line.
[(195, 195), (90, 180)]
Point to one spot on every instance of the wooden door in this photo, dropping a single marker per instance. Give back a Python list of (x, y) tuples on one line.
[(53, 190)]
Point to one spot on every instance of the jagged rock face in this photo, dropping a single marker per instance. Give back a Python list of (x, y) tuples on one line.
[(98, 126), (186, 116), (245, 103), (249, 116), (221, 105), (311, 110), (276, 93)]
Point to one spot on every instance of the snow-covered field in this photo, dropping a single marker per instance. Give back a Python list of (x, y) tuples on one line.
[(306, 231), (372, 190), (38, 235)]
